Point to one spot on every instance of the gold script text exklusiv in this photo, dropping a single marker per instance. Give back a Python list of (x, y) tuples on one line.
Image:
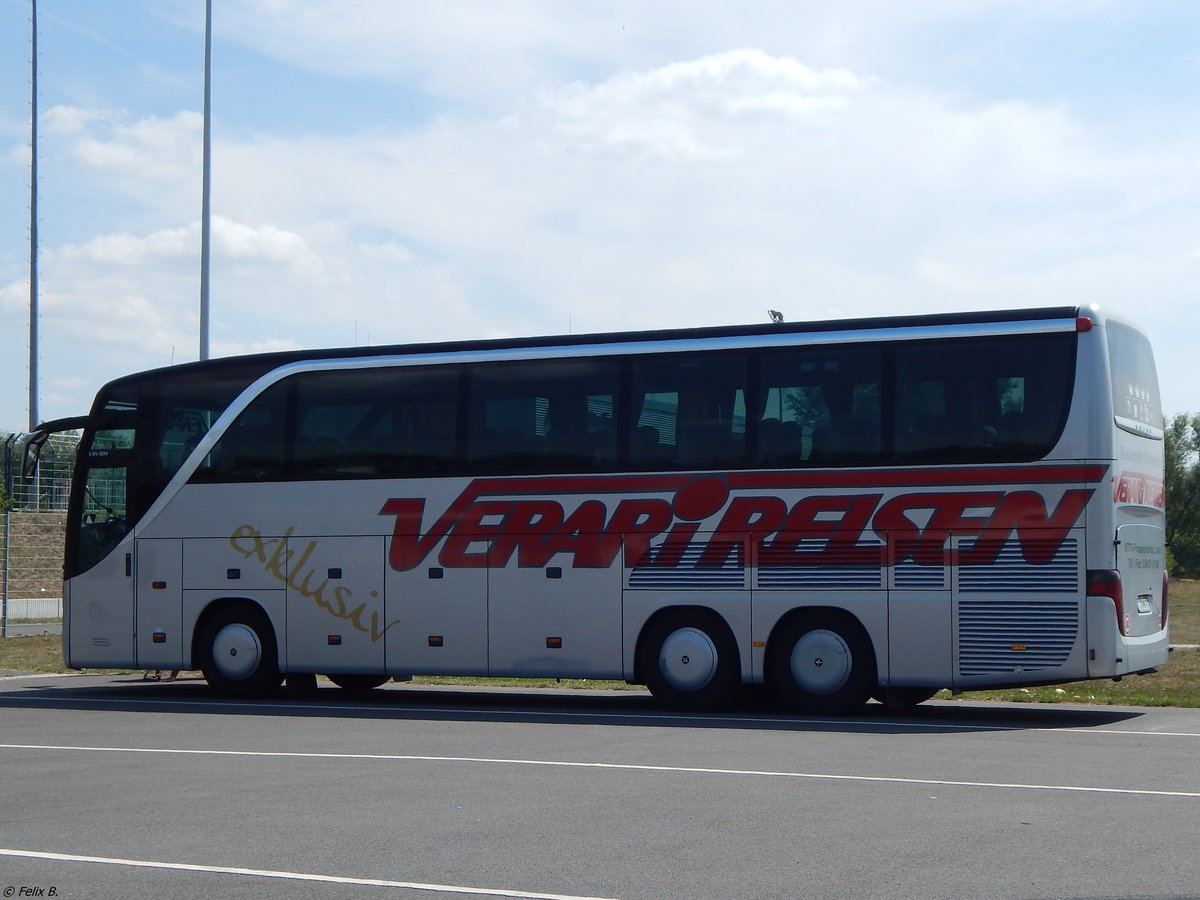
[(277, 559)]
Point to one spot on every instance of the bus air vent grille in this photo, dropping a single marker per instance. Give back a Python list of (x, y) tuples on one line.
[(999, 636), (666, 568), (912, 577), (811, 563), (1012, 573)]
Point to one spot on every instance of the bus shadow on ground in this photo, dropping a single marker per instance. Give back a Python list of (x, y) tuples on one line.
[(630, 709)]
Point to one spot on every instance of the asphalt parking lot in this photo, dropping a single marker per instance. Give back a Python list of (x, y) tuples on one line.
[(113, 787)]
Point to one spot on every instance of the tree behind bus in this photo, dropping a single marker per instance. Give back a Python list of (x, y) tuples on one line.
[(1183, 494)]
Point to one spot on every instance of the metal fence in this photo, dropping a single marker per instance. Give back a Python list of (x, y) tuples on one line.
[(32, 526)]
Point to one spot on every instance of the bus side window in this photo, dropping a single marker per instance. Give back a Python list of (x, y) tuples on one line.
[(542, 416), (981, 399), (688, 411), (252, 449), (430, 428), (820, 406)]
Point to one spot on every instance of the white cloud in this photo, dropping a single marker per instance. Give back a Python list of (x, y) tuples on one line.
[(231, 240), (262, 243), (152, 149), (64, 120), (682, 111)]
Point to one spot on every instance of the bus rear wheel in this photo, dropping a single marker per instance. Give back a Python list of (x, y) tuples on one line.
[(238, 655), (689, 661), (822, 663)]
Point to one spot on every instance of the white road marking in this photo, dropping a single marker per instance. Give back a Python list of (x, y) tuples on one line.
[(631, 767), (292, 876)]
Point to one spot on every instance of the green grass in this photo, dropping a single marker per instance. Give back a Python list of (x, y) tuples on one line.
[(41, 653), (1176, 684)]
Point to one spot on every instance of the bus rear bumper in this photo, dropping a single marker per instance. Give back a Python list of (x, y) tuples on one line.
[(1110, 653), (1142, 653)]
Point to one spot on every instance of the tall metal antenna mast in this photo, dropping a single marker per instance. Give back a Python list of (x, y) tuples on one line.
[(33, 239), (206, 181)]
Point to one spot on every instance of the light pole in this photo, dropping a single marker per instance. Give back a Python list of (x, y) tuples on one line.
[(206, 186), (33, 239)]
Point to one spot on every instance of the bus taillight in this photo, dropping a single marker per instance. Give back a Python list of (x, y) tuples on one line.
[(1107, 583), (1162, 611)]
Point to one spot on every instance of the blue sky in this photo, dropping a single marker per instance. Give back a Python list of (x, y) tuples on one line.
[(390, 171)]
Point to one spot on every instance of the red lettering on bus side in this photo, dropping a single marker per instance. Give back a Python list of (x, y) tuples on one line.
[(843, 544), (746, 515), (638, 522), (409, 546), (810, 519), (582, 535), (471, 529), (524, 530), (892, 523), (1040, 534), (679, 538), (1134, 487), (948, 517)]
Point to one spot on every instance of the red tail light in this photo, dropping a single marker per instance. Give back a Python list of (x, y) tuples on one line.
[(1162, 613), (1107, 583)]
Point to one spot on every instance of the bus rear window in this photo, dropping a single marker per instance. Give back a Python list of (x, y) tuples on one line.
[(1136, 404)]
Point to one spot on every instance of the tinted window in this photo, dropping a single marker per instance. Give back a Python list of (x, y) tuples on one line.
[(1136, 403), (982, 399), (253, 447), (688, 412), (374, 423), (820, 407), (168, 413), (360, 423), (935, 401), (542, 416)]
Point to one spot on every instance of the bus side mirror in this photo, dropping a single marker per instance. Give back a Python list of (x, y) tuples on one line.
[(33, 452), (37, 439)]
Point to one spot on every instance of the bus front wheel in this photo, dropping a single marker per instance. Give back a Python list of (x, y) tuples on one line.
[(238, 654), (822, 663), (689, 661)]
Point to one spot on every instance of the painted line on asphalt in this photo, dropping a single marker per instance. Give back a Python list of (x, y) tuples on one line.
[(628, 767), (291, 876)]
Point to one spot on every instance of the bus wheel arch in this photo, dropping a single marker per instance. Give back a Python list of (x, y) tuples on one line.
[(820, 660), (235, 647), (688, 657)]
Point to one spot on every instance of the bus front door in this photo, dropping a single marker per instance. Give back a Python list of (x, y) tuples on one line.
[(158, 624)]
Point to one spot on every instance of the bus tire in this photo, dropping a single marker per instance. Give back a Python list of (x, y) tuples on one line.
[(238, 653), (689, 660), (358, 684), (822, 663)]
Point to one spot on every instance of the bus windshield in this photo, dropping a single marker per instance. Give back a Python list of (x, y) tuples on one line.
[(143, 429), (1136, 404)]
